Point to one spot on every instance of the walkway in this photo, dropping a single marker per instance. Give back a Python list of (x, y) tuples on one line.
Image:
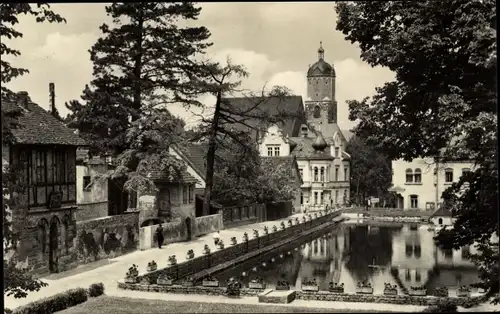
[(115, 269)]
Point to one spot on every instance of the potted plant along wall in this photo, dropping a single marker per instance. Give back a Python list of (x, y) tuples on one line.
[(266, 230), (172, 260), (275, 229), (418, 291), (390, 289), (164, 280), (152, 266), (233, 287), (234, 241), (132, 274), (210, 281), (282, 225), (257, 283), (190, 254), (310, 285), (245, 237), (220, 244), (255, 233), (335, 287), (188, 282), (290, 223), (304, 219), (441, 292), (282, 285), (297, 220), (463, 292), (206, 250), (364, 288)]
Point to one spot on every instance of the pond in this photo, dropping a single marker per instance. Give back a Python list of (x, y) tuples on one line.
[(401, 254)]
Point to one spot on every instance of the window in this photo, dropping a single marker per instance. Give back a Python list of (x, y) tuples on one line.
[(409, 176), (184, 194), (59, 167), (40, 167), (418, 176), (301, 198), (276, 151), (408, 275), (417, 250), (86, 183), (448, 254), (317, 111), (336, 173), (336, 196), (315, 174), (408, 250), (440, 221), (448, 175), (322, 174), (321, 198), (269, 151), (337, 152), (191, 194), (414, 201), (346, 174), (465, 172), (315, 198), (465, 252), (301, 172), (418, 277)]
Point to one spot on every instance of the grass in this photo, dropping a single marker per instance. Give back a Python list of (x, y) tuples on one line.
[(113, 305)]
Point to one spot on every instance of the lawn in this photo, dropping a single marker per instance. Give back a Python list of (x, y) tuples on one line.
[(113, 305)]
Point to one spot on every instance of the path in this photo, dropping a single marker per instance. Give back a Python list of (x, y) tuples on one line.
[(116, 268)]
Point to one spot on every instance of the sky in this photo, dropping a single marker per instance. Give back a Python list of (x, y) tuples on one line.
[(276, 42)]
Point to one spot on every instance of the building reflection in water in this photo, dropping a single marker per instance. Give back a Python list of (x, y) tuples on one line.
[(395, 253)]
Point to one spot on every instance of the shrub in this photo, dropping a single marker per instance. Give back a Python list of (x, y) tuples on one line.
[(7, 311), (96, 289), (442, 307), (55, 303)]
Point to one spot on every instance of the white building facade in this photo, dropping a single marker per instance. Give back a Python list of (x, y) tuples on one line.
[(420, 183)]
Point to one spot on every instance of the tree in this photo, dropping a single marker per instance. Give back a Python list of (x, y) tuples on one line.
[(242, 176), (142, 63), (370, 170), (442, 103), (227, 119), (17, 282)]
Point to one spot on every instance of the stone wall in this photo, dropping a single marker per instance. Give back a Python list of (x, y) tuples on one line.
[(173, 231), (93, 210), (204, 262), (243, 215), (301, 295), (208, 224), (107, 237)]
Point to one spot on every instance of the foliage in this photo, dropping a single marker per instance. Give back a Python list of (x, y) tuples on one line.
[(96, 289), (17, 282), (229, 125), (370, 170), (447, 306), (55, 303), (142, 63), (442, 103)]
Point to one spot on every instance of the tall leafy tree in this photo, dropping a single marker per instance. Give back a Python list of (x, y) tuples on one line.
[(370, 170), (443, 102), (143, 62), (17, 282), (228, 123)]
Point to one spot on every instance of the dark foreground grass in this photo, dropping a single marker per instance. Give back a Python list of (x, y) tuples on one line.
[(113, 305)]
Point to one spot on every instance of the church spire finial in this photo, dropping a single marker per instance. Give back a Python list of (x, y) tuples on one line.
[(321, 51)]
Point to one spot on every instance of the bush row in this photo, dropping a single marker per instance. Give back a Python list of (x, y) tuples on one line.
[(60, 301)]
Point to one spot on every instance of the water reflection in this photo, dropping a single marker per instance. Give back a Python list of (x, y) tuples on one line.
[(399, 254)]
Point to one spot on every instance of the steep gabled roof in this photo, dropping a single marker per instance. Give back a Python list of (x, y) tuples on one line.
[(443, 211), (195, 156), (159, 176), (37, 126), (272, 106)]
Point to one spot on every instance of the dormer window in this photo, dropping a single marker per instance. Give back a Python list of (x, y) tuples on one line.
[(337, 151)]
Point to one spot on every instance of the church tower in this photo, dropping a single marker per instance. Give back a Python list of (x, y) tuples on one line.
[(320, 103)]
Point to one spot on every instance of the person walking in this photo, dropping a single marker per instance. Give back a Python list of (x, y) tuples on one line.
[(159, 236)]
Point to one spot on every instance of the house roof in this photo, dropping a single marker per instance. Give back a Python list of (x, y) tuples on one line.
[(284, 161), (443, 211), (304, 149), (347, 134), (37, 126), (271, 106), (195, 155), (159, 176)]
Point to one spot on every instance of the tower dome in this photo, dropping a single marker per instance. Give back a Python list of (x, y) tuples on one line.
[(321, 67), (319, 143)]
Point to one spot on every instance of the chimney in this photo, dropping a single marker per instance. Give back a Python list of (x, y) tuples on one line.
[(52, 97), (304, 131), (22, 99)]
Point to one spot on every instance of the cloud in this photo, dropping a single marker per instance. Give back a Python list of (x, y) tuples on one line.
[(65, 49)]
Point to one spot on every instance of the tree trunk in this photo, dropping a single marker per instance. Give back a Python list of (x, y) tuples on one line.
[(211, 156)]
